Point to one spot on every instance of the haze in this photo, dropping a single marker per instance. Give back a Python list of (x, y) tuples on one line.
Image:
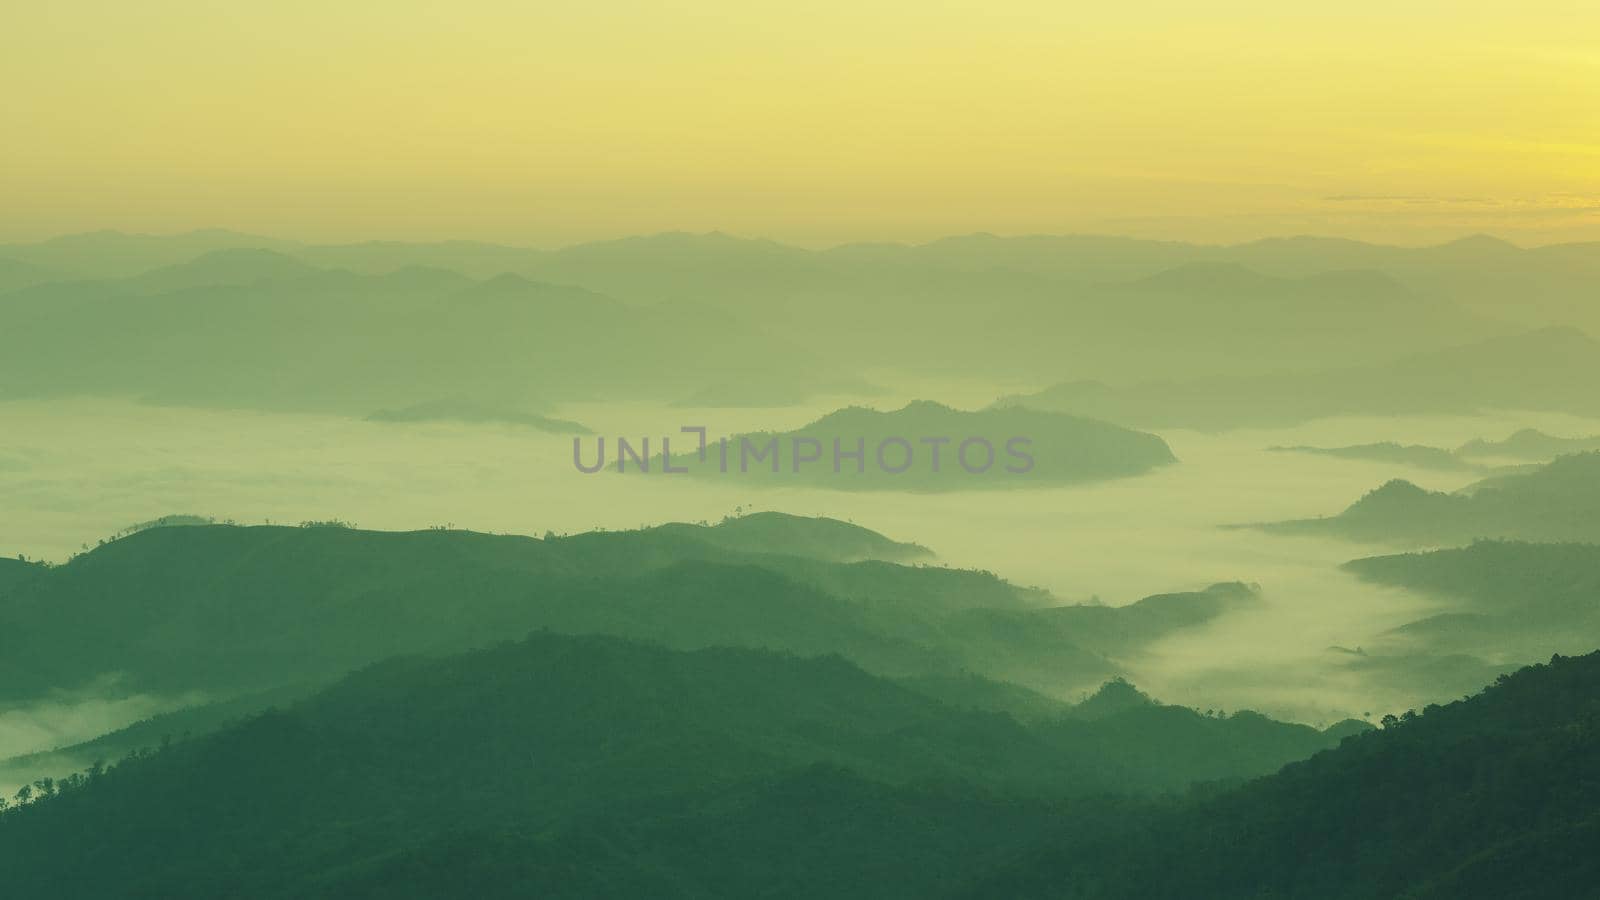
[(1163, 450), (549, 124)]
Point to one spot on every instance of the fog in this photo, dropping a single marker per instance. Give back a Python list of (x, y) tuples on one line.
[(72, 472)]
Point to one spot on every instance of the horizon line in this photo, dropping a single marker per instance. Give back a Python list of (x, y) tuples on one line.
[(1469, 237)]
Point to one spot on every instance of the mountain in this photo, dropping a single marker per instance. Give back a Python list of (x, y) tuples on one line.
[(474, 259), (532, 736), (15, 571), (926, 446), (1064, 645), (1415, 455), (235, 609), (1549, 369), (468, 412), (911, 308), (16, 274), (812, 537), (223, 611), (116, 254), (1492, 796), (1529, 444), (1115, 697), (1559, 501), (1092, 301), (217, 330), (208, 620), (565, 739), (223, 268), (1504, 599)]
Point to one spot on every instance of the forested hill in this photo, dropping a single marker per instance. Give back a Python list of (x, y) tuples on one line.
[(813, 537), (1558, 501), (927, 446), (1491, 797), (16, 571), (588, 766), (554, 733), (226, 610)]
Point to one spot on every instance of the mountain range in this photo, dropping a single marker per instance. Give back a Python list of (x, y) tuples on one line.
[(1558, 501), (692, 318), (1549, 369), (591, 766), (204, 615)]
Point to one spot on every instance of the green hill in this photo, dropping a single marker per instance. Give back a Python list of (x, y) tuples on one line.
[(1559, 501), (813, 537), (230, 610), (16, 571), (1489, 797), (1416, 455), (556, 740), (926, 446), (1529, 444), (1506, 599)]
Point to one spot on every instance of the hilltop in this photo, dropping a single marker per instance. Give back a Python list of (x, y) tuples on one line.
[(558, 739), (1559, 501), (927, 446)]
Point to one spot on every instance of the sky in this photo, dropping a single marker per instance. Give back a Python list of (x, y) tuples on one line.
[(530, 122)]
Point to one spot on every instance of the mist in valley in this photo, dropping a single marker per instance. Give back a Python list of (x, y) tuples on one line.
[(84, 469), (321, 499)]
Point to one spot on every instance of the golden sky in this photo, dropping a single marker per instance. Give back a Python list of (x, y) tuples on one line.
[(832, 120)]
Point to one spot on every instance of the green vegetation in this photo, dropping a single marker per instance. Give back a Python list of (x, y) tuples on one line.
[(592, 765), (1559, 501), (1507, 600), (564, 735), (1494, 796), (1529, 444), (1418, 455), (16, 571), (777, 705), (231, 610), (927, 446)]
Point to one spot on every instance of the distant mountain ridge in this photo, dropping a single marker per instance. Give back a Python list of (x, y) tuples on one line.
[(911, 308), (1559, 501), (1387, 451), (261, 329), (1529, 443), (1549, 369), (473, 413), (927, 446)]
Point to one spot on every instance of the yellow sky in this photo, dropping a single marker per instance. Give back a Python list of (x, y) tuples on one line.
[(547, 123)]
